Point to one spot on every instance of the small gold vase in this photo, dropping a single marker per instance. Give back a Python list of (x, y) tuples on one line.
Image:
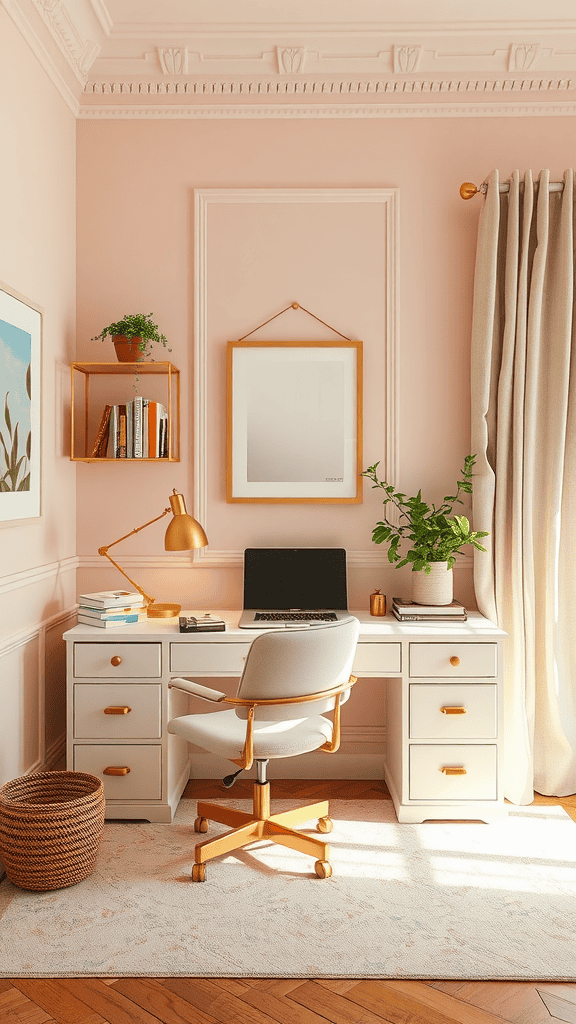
[(377, 603)]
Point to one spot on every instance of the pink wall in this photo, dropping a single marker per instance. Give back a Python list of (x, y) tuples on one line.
[(135, 253), (38, 260)]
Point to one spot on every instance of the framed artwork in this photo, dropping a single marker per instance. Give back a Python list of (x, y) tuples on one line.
[(20, 397), (294, 431)]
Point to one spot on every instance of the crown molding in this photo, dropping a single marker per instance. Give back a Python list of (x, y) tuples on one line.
[(317, 86), (259, 111), (41, 44)]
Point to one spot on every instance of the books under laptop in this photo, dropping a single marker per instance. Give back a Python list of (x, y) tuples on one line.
[(293, 586)]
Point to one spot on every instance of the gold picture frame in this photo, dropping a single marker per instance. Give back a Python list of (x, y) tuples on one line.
[(294, 422)]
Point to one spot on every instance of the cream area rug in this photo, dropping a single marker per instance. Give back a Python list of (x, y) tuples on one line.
[(436, 900)]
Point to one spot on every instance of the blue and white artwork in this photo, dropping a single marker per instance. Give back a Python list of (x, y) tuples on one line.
[(20, 341), (16, 423)]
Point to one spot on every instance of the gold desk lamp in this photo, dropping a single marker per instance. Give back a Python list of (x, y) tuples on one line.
[(183, 534)]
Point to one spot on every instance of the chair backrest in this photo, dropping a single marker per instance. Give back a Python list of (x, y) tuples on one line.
[(298, 662)]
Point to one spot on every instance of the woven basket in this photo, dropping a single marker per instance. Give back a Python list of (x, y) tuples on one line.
[(51, 825)]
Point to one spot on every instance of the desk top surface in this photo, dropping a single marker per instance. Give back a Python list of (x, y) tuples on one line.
[(372, 629)]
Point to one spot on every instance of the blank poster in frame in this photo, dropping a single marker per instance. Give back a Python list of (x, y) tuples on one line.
[(294, 431), (20, 417)]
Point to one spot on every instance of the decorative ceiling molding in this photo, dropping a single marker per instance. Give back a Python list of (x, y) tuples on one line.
[(55, 69), (80, 51), (282, 86), (261, 111)]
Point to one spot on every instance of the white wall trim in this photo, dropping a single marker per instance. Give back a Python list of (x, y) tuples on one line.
[(294, 86), (10, 643), (33, 40), (37, 573), (203, 199), (319, 110), (375, 558)]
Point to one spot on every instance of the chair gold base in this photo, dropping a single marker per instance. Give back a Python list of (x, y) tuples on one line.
[(260, 824)]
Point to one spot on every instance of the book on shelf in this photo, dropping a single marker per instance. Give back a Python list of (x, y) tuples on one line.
[(404, 606), (414, 617), (86, 620), (112, 599), (121, 443), (134, 430), (101, 440)]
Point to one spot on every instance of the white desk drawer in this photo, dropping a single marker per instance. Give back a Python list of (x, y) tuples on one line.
[(205, 659), (99, 711), (455, 660), (378, 659), (477, 762), (453, 711), (142, 782), (117, 661)]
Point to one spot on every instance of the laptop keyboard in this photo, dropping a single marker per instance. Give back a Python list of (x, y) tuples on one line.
[(295, 616)]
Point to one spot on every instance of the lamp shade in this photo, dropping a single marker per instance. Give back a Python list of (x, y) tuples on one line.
[(184, 533)]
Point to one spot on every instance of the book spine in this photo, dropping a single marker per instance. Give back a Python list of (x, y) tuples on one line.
[(101, 441), (159, 429), (104, 623), (145, 446), (112, 453), (164, 437), (121, 431), (138, 427), (130, 430), (152, 421)]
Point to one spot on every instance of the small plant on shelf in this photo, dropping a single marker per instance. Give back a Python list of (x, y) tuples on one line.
[(137, 332), (435, 534)]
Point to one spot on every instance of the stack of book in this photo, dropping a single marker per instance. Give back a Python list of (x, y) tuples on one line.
[(136, 430), (408, 611), (109, 608)]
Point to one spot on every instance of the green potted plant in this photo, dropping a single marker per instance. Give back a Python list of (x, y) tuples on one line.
[(133, 337), (435, 535)]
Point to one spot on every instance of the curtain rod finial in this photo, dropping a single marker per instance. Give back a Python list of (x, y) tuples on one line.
[(468, 189)]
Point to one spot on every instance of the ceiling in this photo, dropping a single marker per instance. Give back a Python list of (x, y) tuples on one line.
[(273, 57)]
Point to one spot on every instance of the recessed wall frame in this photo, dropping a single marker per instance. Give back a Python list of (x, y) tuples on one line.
[(210, 215)]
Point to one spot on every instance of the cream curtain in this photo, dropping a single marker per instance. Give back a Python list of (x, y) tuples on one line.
[(523, 379)]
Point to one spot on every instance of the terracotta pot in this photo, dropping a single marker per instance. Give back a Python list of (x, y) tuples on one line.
[(127, 349), (436, 587)]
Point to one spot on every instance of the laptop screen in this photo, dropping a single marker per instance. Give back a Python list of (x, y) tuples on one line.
[(285, 578)]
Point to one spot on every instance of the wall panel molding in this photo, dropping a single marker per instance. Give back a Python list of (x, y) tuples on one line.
[(204, 199), (37, 573)]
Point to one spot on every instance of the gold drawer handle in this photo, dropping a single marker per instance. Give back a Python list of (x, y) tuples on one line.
[(117, 711), (454, 661), (453, 771), (116, 771), (116, 660), (453, 710)]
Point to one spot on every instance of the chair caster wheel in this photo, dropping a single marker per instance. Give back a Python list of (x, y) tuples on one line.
[(325, 824), (323, 869), (201, 825), (199, 873)]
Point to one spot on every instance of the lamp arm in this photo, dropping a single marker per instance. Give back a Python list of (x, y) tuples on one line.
[(103, 551)]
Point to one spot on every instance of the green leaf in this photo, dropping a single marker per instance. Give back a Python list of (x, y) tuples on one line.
[(7, 415), (25, 483), (29, 445), (28, 382)]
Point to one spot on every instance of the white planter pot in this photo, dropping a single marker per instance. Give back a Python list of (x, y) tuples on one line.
[(436, 587)]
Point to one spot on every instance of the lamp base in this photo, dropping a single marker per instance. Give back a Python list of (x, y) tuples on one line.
[(163, 611)]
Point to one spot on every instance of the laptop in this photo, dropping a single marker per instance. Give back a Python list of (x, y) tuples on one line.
[(293, 587)]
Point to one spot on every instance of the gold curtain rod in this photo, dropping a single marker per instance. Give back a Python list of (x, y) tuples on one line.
[(468, 189)]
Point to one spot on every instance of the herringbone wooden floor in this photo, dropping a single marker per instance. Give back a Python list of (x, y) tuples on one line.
[(293, 1001)]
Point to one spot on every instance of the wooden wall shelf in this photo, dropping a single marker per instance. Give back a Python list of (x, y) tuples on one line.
[(86, 411)]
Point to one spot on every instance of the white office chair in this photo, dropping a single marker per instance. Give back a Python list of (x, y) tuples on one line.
[(290, 677)]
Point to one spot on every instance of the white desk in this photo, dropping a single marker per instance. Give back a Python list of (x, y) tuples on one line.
[(443, 701)]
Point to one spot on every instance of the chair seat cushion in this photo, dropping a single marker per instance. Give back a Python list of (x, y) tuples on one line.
[(224, 733)]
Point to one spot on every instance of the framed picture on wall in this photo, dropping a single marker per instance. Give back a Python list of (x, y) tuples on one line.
[(20, 398), (294, 431)]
